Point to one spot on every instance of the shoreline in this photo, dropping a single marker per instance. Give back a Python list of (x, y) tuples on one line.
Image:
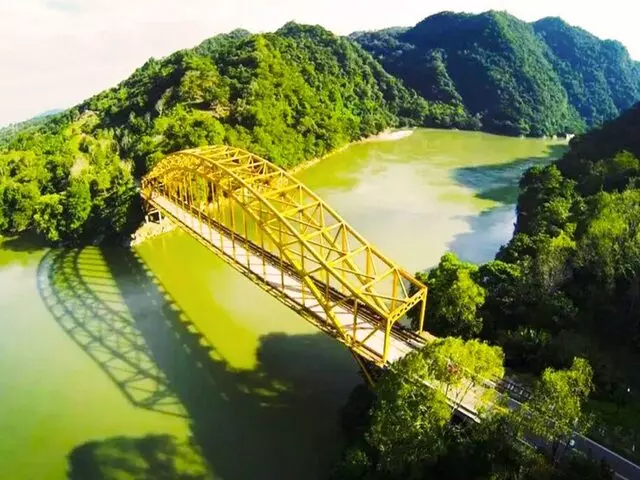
[(388, 135), (151, 229)]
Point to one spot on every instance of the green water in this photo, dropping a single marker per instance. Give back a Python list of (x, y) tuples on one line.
[(109, 345)]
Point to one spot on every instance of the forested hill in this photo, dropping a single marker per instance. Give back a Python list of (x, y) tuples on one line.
[(518, 78), (578, 232), (291, 95), (598, 75), (564, 292)]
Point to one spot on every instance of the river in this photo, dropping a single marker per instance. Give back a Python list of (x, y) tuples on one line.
[(118, 361)]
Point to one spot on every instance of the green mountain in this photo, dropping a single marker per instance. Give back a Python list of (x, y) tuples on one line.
[(577, 246), (599, 77), (8, 131), (291, 95), (515, 78)]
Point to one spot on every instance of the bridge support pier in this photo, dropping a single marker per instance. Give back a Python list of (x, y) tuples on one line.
[(153, 215), (369, 370)]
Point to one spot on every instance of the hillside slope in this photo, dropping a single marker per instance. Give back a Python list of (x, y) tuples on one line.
[(517, 78), (600, 78), (577, 242), (291, 95)]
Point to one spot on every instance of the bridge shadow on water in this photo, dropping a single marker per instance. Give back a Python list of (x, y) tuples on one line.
[(268, 422)]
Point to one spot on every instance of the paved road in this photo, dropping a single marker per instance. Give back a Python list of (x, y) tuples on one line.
[(623, 468)]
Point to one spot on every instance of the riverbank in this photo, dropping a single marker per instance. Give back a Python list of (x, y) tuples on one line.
[(150, 230), (388, 135)]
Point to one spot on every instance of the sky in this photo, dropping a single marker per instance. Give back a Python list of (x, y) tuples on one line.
[(56, 53)]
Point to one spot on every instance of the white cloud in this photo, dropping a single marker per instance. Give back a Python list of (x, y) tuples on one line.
[(56, 53)]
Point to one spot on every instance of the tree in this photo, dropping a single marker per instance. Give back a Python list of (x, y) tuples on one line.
[(410, 431), (503, 284), (19, 202), (77, 206), (554, 410), (457, 367), (454, 299), (489, 449), (408, 420), (182, 128), (610, 245), (48, 213), (408, 425), (544, 202)]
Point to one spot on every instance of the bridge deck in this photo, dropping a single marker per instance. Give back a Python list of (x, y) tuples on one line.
[(364, 331), (288, 285)]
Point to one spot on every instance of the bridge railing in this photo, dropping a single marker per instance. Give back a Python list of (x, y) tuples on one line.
[(256, 201)]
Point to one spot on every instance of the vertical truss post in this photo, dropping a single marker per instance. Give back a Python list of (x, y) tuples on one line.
[(210, 212), (281, 249), (233, 226), (190, 205), (220, 208), (345, 250), (244, 226), (355, 318), (423, 307), (201, 202), (261, 233), (302, 284), (387, 335)]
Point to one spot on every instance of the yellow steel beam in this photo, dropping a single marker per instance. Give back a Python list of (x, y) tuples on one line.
[(257, 186)]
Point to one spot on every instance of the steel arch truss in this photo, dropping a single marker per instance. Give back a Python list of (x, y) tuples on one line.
[(264, 212)]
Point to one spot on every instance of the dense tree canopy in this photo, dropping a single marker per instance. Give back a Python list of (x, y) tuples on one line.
[(515, 78), (570, 276), (600, 78), (579, 220), (566, 285), (291, 95), (406, 428), (555, 410), (65, 181), (300, 93), (454, 299)]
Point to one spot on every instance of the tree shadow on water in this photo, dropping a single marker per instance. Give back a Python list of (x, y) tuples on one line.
[(275, 421), (488, 231), (499, 182), (493, 227)]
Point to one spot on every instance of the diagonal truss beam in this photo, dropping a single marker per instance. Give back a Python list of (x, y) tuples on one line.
[(243, 193)]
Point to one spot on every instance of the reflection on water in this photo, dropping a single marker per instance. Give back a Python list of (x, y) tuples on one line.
[(164, 358), (151, 457), (120, 314), (492, 227), (430, 192), (498, 182)]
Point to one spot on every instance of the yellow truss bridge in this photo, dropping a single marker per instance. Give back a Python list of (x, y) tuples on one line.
[(276, 231)]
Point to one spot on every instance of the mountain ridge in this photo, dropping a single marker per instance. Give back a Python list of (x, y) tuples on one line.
[(519, 78), (291, 95)]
